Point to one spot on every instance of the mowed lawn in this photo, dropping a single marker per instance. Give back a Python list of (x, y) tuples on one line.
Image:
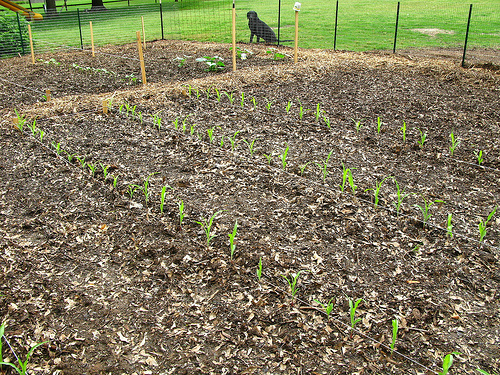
[(361, 24)]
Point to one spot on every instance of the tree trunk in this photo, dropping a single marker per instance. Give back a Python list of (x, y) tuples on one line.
[(50, 7), (97, 5)]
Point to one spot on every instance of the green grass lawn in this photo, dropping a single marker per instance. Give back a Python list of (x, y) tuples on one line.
[(362, 24)]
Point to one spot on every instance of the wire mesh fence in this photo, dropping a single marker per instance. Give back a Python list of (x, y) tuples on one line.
[(356, 26)]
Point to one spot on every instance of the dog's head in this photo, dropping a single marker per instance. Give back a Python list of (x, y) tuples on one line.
[(252, 15)]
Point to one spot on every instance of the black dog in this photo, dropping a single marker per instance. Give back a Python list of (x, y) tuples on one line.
[(260, 29)]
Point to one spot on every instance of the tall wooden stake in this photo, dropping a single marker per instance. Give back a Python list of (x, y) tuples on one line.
[(234, 37), (141, 57), (47, 95), (31, 44), (92, 38)]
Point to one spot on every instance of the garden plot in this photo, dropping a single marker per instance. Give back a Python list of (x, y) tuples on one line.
[(119, 278)]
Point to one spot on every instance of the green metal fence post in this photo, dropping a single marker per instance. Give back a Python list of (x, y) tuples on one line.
[(396, 30), (466, 36), (80, 27), (335, 32)]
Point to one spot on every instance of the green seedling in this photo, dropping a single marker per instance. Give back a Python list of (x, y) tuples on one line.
[(33, 127), (184, 122), (131, 190), (210, 132), (447, 363), (188, 85), (358, 124), (20, 121), (352, 312), (41, 134), (208, 92), (176, 123), (425, 208), (218, 93), (156, 121), (259, 269), (483, 224), (145, 188), (454, 143), (479, 156), (423, 138), (82, 161), (324, 166), (139, 116), (198, 93), (115, 181), (70, 156), (288, 106), (403, 130), (207, 226), (254, 102), (379, 124), (230, 96), (120, 108), (251, 146), (232, 246), (104, 170), (21, 367), (351, 182), (269, 103), (181, 212), (191, 131), (222, 142), (162, 198), (347, 177), (283, 156), (57, 147), (318, 111), (301, 111), (303, 167), (242, 102), (233, 140), (449, 226), (214, 64), (376, 191), (394, 334), (328, 307), (327, 121), (292, 282), (92, 168), (400, 196), (269, 158)]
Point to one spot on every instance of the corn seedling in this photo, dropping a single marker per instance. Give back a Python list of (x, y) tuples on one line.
[(324, 166), (21, 367), (376, 191), (283, 156), (345, 173), (425, 208), (449, 226), (403, 130), (32, 127), (318, 111), (222, 142), (70, 156), (251, 146), (259, 269), (288, 106), (379, 124), (82, 161), (447, 363), (57, 147), (188, 85), (198, 93), (328, 307), (303, 167), (208, 92), (92, 168), (423, 138), (156, 121), (483, 224), (191, 131), (394, 334), (358, 124), (162, 198), (400, 195), (269, 103), (254, 102), (207, 226), (292, 283), (218, 94), (120, 108), (454, 143), (230, 96), (233, 140), (232, 246), (301, 111), (184, 122), (145, 188), (131, 190), (327, 121), (242, 102), (115, 181), (269, 158), (479, 156), (210, 132), (352, 312), (139, 116), (181, 212), (20, 121), (41, 134)]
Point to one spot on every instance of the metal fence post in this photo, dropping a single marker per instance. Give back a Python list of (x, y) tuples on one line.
[(396, 30), (466, 36), (80, 27), (279, 20), (335, 32), (161, 21), (20, 33)]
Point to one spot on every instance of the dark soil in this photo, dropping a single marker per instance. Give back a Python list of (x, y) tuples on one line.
[(116, 286)]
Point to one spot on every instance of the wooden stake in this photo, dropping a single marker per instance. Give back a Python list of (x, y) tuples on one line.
[(295, 58), (92, 38), (143, 33), (47, 95), (105, 107), (141, 57), (234, 37), (31, 44)]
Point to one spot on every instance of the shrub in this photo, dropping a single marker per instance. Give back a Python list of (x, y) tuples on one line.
[(13, 41)]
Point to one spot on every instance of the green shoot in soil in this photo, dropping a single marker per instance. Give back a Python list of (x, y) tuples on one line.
[(454, 143), (324, 166), (376, 191), (269, 103), (394, 334), (181, 212), (288, 106), (423, 138), (400, 195), (403, 130), (352, 312), (233, 140), (251, 146), (379, 124), (479, 156), (259, 269), (232, 246), (328, 307), (210, 132), (282, 156), (358, 124), (449, 226), (483, 224), (207, 226), (145, 188), (303, 167), (425, 209), (292, 282), (447, 363)]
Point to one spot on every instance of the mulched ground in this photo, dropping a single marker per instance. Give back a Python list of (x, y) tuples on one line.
[(117, 284)]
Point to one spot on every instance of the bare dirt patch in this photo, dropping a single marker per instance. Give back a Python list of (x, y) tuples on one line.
[(433, 32), (117, 286)]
